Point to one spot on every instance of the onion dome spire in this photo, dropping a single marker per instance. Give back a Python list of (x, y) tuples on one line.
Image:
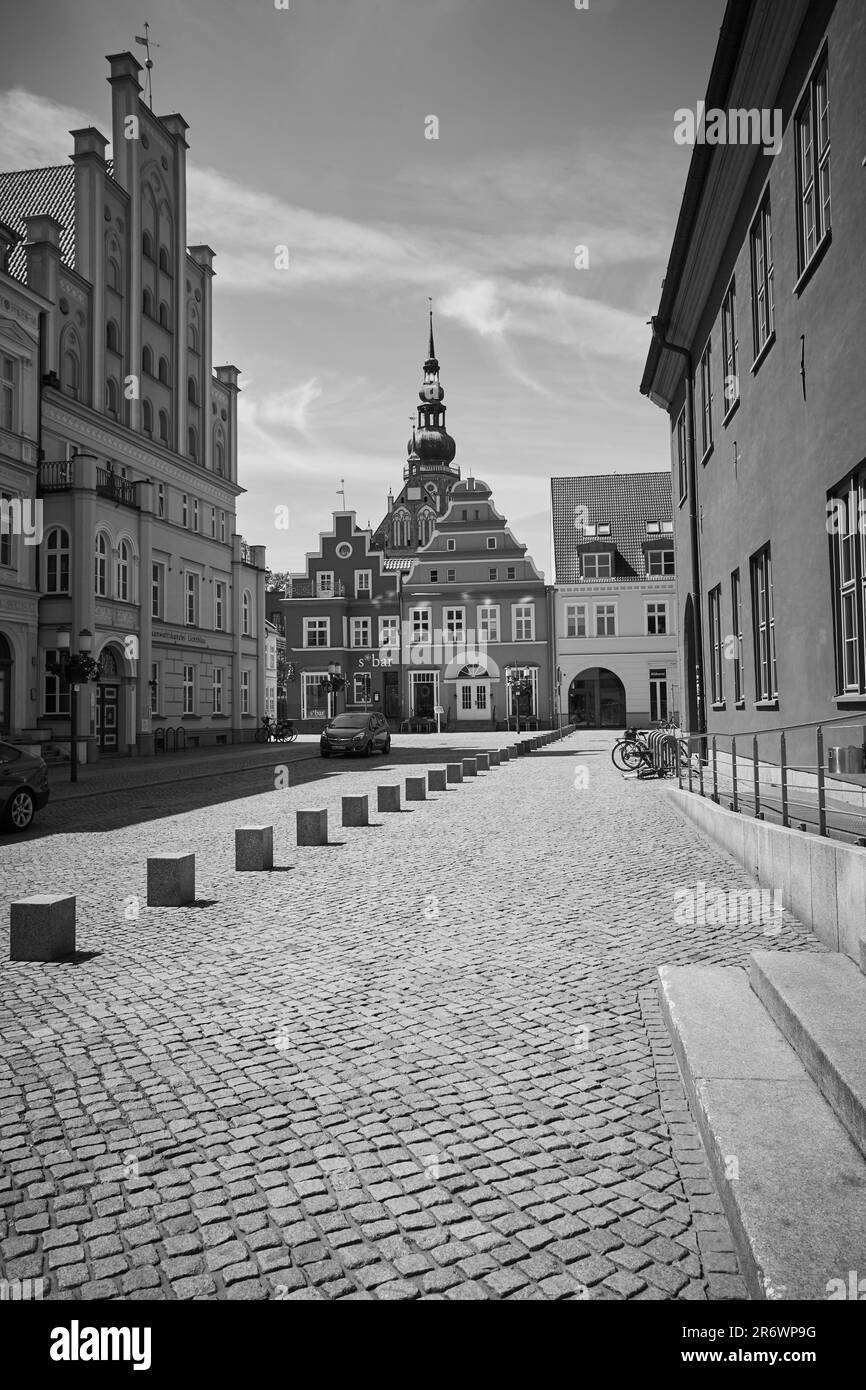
[(430, 443)]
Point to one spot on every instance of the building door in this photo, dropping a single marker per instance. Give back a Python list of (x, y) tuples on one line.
[(473, 700), (596, 700), (391, 686), (6, 666), (108, 705), (658, 694), (424, 693)]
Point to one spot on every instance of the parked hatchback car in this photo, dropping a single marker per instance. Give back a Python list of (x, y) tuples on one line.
[(355, 733), (23, 786)]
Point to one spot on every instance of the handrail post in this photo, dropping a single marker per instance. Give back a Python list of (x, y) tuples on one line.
[(822, 793), (756, 777), (701, 771), (783, 765), (689, 754), (715, 774), (679, 766), (736, 805)]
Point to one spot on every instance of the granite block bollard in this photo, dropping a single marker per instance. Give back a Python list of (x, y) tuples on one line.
[(470, 767), (493, 757), (437, 780), (171, 880), (454, 772), (416, 788), (388, 798), (254, 848), (482, 762), (504, 755), (356, 810), (42, 927), (312, 827)]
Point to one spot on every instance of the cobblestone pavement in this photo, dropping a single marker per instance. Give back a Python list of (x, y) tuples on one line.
[(424, 1061)]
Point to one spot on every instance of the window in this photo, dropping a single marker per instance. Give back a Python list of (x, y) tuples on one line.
[(222, 527), (389, 635), (163, 426), (213, 522), (511, 572), (6, 531), (401, 530), (325, 584), (658, 695), (655, 528), (7, 392), (450, 543), (111, 396), (737, 611), (163, 314), (112, 277), (763, 626), (112, 336), (434, 576), (245, 692), (147, 245), (605, 620), (360, 635), (575, 620), (450, 576), (147, 303), (189, 690), (57, 561), (184, 510), (493, 574), (730, 346), (155, 686), (420, 620), (455, 624), (682, 460), (163, 370), (717, 684), (164, 260), (191, 587), (192, 391), (363, 583), (219, 455), (219, 605), (425, 527), (218, 690), (523, 622), (192, 337), (491, 542), (656, 619), (160, 499), (362, 688), (192, 443), (100, 566), (314, 703), (488, 623), (763, 310), (813, 166), (147, 360), (195, 513), (55, 697), (247, 613), (848, 571), (123, 585), (317, 632), (661, 562), (147, 416), (157, 589), (597, 565), (706, 402)]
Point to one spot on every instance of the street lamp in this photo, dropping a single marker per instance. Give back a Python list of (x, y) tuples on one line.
[(332, 683), (75, 668), (520, 682)]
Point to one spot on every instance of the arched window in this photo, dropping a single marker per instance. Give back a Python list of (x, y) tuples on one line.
[(163, 369), (123, 576), (100, 566), (425, 527), (164, 260), (192, 391), (147, 245), (70, 369), (147, 360), (112, 395), (147, 303), (112, 275), (219, 454), (147, 416), (57, 561), (247, 613), (163, 426), (163, 314), (192, 337), (112, 336), (192, 443), (401, 529)]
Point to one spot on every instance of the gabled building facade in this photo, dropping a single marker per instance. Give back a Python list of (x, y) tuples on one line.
[(616, 601)]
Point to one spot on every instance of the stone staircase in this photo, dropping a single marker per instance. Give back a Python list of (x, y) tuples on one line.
[(774, 1064)]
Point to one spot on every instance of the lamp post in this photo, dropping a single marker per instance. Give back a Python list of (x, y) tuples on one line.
[(333, 682), (74, 668), (520, 682)]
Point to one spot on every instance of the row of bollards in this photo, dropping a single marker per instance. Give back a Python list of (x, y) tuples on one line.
[(42, 927)]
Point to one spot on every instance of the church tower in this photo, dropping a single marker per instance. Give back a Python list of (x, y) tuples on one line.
[(429, 473)]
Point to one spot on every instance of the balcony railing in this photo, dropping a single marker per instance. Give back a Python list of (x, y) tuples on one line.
[(119, 489), (59, 476), (307, 588), (55, 477)]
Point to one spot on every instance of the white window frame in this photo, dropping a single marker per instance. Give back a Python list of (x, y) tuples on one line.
[(220, 601), (246, 613), (661, 610), (62, 548), (601, 561), (8, 393), (191, 590), (576, 615), (389, 633), (317, 625), (218, 690), (682, 455), (362, 688), (189, 689), (454, 624), (450, 543), (325, 584), (157, 590), (184, 510), (155, 687), (487, 622), (311, 683), (360, 632), (362, 591), (597, 609), (706, 384), (661, 572), (421, 621), (246, 690), (730, 349), (519, 621)]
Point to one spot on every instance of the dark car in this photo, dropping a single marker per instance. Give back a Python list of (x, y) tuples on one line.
[(355, 733), (23, 786)]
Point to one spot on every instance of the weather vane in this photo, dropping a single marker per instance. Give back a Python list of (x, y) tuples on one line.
[(341, 492), (147, 43)]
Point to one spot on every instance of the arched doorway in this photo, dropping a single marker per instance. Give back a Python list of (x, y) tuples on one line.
[(6, 665), (108, 704), (596, 700)]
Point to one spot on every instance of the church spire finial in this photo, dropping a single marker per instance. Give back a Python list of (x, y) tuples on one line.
[(432, 351)]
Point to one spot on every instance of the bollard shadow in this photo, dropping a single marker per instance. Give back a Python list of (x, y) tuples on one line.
[(76, 958)]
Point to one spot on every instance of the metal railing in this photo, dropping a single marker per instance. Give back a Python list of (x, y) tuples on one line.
[(119, 489), (755, 775)]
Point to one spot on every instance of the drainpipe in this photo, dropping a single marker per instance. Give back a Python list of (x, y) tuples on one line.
[(694, 541)]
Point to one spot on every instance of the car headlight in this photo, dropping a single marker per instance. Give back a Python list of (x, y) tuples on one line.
[(359, 738)]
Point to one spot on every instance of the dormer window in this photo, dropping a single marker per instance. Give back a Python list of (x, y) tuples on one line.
[(598, 564), (661, 562), (659, 528)]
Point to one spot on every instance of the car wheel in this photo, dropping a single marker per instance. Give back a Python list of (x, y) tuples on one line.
[(20, 809), (325, 752), (368, 749), (387, 748)]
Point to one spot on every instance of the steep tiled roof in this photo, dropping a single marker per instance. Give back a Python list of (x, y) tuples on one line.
[(30, 192), (627, 501)]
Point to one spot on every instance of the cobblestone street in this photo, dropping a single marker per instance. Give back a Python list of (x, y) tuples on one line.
[(346, 1080)]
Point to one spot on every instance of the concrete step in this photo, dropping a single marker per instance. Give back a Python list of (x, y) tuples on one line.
[(792, 1182), (819, 1003)]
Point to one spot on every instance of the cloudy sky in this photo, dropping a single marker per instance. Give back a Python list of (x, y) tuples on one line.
[(308, 129)]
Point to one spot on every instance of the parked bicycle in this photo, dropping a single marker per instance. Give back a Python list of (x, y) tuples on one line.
[(634, 753), (276, 731)]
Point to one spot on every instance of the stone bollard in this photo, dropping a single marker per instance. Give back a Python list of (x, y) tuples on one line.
[(482, 762), (42, 928), (356, 810), (388, 798), (171, 880), (416, 788), (504, 755), (312, 827), (437, 780), (454, 772), (493, 757), (254, 848), (470, 767), (522, 749)]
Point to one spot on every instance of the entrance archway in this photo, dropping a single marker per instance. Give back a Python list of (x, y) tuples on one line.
[(108, 704), (6, 665), (596, 699)]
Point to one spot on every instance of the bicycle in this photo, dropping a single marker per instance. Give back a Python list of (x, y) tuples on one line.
[(279, 731), (632, 753)]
